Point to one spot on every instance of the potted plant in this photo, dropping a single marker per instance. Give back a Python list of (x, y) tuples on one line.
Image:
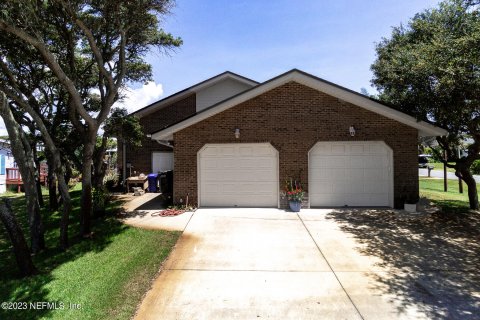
[(294, 193)]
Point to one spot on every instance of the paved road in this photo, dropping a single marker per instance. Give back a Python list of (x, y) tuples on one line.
[(439, 174), (272, 264)]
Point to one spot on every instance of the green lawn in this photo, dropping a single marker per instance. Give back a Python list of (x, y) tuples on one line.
[(439, 166), (451, 201), (106, 276)]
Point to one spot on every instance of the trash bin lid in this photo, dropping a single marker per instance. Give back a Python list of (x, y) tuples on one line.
[(153, 175)]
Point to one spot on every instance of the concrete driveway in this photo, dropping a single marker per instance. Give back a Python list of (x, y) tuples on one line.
[(268, 263)]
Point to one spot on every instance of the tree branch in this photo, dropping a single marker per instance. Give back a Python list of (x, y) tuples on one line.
[(54, 66)]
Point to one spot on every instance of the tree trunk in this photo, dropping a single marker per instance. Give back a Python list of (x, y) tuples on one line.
[(20, 247), (67, 207), (66, 200), (99, 165), (23, 154), (467, 176), (52, 183), (87, 201), (37, 180)]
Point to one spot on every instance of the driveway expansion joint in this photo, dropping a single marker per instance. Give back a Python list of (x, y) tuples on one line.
[(328, 263)]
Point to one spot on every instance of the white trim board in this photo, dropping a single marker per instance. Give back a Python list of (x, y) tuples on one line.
[(424, 128)]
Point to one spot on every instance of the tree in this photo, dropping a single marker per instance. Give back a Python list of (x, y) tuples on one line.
[(430, 68), (23, 154), (34, 96), (20, 248), (90, 46), (124, 127)]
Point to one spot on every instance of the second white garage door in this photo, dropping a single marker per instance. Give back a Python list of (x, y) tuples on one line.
[(240, 174), (351, 174)]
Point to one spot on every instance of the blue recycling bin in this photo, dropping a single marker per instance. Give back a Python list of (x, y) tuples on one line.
[(152, 182)]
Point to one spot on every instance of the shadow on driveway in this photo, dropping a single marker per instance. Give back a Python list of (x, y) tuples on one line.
[(432, 260)]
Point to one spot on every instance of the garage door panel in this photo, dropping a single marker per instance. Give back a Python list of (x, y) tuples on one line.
[(375, 174), (356, 161), (354, 174), (361, 176), (243, 175), (336, 162), (318, 161), (357, 149)]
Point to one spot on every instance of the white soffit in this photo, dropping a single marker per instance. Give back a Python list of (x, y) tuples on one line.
[(424, 128)]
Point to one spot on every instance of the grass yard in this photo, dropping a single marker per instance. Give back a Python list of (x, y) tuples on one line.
[(439, 166), (106, 276), (451, 201)]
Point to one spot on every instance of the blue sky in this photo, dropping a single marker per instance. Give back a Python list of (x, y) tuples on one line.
[(261, 39), (333, 40)]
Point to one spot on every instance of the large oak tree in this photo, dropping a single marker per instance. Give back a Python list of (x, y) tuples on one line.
[(90, 47), (431, 68)]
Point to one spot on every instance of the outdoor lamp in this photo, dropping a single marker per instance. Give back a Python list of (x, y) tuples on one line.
[(352, 131), (237, 133)]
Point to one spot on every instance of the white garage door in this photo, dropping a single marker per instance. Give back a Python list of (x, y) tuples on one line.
[(351, 174), (162, 161), (240, 174)]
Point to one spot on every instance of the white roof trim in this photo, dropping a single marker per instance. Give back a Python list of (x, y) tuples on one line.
[(193, 89), (424, 128)]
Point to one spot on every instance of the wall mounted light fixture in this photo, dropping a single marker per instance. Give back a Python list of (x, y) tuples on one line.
[(237, 133), (352, 131)]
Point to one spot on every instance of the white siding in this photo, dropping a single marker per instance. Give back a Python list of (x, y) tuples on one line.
[(162, 161), (218, 92)]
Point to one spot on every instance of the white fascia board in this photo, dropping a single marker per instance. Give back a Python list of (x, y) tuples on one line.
[(222, 78), (424, 129)]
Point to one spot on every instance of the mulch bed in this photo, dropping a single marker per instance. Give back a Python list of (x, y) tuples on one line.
[(168, 213)]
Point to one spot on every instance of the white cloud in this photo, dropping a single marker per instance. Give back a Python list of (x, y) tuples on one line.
[(141, 97), (3, 129)]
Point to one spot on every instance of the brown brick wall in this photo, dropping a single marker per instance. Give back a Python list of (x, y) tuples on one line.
[(141, 157), (293, 118)]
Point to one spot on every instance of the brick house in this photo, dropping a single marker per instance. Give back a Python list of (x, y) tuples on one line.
[(237, 147)]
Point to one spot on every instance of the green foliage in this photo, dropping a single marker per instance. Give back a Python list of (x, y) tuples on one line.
[(429, 68), (124, 127), (475, 168), (435, 152), (101, 197), (293, 190), (110, 180)]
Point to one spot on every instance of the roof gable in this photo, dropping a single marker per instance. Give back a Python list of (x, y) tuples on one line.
[(424, 128), (223, 77)]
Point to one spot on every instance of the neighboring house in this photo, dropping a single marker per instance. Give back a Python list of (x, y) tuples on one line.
[(6, 161), (238, 149)]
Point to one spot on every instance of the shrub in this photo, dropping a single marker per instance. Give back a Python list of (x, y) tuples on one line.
[(101, 197), (475, 168), (110, 180)]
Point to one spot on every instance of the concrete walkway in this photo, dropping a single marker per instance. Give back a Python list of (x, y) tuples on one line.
[(268, 263)]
